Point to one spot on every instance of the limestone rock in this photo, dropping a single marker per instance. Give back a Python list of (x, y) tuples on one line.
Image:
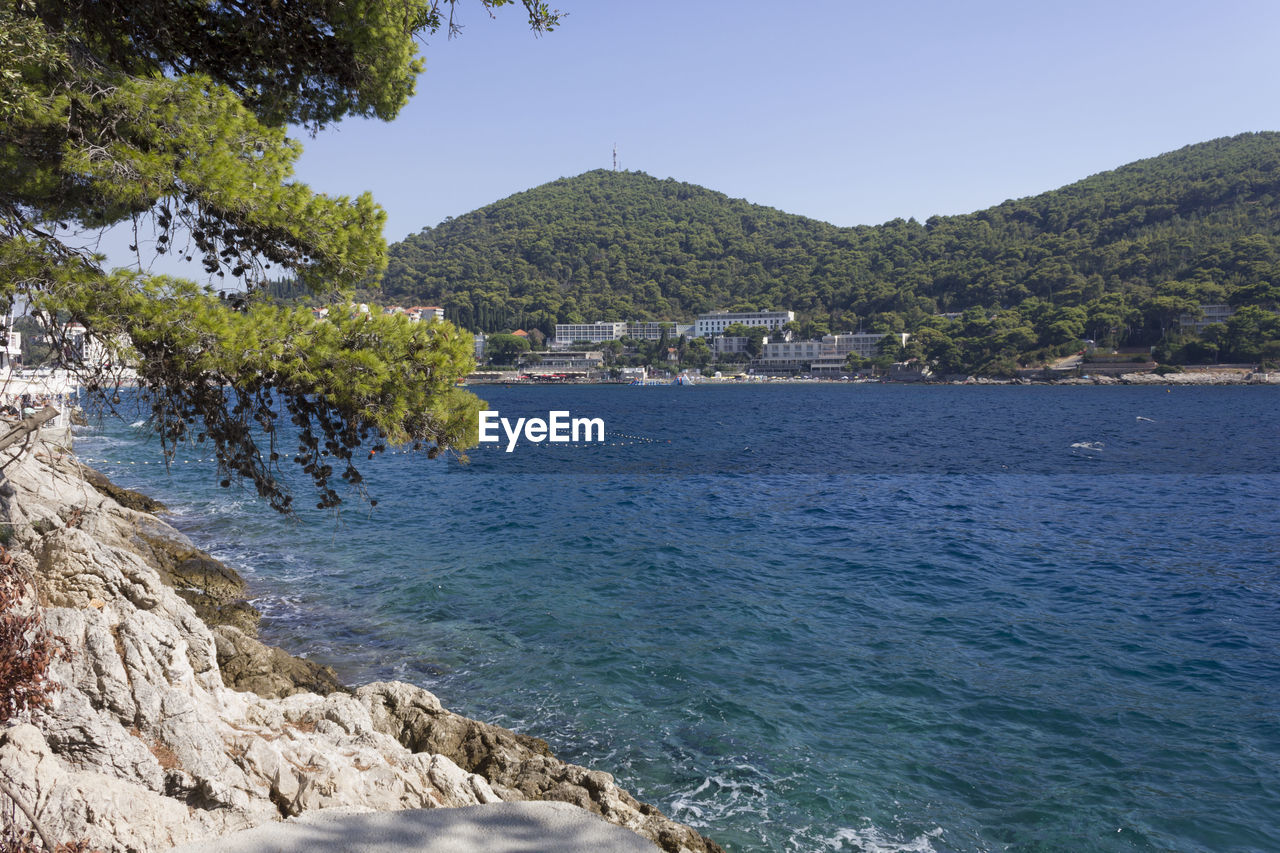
[(110, 813), (248, 664), (212, 588), (127, 498), (146, 745), (517, 766)]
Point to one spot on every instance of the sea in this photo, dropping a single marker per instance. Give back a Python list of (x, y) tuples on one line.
[(825, 617)]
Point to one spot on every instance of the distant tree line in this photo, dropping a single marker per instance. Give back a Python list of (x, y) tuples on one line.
[(1117, 258)]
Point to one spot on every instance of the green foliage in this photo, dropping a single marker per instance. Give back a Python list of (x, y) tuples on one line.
[(35, 351), (1117, 257), (345, 381), (755, 336), (307, 62), (505, 349), (697, 353), (171, 115)]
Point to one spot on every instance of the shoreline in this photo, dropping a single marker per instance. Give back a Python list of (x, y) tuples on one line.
[(176, 725), (1190, 378)]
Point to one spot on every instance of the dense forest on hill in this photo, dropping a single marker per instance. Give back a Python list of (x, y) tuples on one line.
[(1116, 257)]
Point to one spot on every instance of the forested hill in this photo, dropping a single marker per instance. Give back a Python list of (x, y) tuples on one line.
[(618, 244), (1131, 248)]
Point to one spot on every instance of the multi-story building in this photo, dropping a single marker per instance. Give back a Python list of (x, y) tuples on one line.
[(722, 345), (826, 356), (717, 321), (83, 349), (12, 352), (787, 356), (1209, 314), (570, 359), (652, 331), (564, 364), (864, 344), (599, 332), (707, 325), (426, 312)]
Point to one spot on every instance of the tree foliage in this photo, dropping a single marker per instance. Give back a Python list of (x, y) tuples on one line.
[(505, 349), (1117, 257), (170, 116)]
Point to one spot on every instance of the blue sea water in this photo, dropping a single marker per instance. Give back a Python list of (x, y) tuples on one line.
[(826, 617)]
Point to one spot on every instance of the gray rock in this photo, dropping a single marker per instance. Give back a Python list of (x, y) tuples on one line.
[(110, 813), (247, 664), (515, 765), (127, 498), (506, 828)]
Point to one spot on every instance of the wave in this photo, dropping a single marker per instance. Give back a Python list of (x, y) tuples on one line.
[(869, 839), (738, 790)]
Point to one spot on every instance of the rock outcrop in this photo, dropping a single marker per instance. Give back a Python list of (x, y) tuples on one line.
[(518, 767), (166, 730)]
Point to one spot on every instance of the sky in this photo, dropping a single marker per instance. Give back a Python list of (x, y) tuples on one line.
[(847, 111)]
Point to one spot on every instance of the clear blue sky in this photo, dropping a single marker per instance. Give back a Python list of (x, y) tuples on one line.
[(847, 111)]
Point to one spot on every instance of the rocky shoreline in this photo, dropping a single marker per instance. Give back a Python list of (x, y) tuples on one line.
[(174, 724)]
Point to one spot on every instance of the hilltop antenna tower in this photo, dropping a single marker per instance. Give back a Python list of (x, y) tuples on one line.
[(615, 156)]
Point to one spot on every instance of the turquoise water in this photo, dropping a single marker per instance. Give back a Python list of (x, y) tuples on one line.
[(828, 617)]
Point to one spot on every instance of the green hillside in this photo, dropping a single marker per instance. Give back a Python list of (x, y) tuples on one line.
[(1116, 257)]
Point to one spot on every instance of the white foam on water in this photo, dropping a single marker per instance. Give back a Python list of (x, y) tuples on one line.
[(282, 608), (869, 839), (1089, 445), (720, 796)]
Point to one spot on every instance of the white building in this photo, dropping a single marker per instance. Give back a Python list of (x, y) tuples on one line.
[(722, 345), (596, 333), (864, 344), (426, 312), (652, 331), (822, 357), (601, 331), (570, 359), (717, 321), (12, 352), (82, 349)]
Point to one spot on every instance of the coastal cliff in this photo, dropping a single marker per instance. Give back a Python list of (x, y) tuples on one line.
[(174, 724)]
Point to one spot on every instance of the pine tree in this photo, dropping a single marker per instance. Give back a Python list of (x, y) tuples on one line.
[(172, 115)]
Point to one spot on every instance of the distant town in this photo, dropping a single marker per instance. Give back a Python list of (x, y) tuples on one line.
[(748, 345), (730, 345), (742, 343)]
